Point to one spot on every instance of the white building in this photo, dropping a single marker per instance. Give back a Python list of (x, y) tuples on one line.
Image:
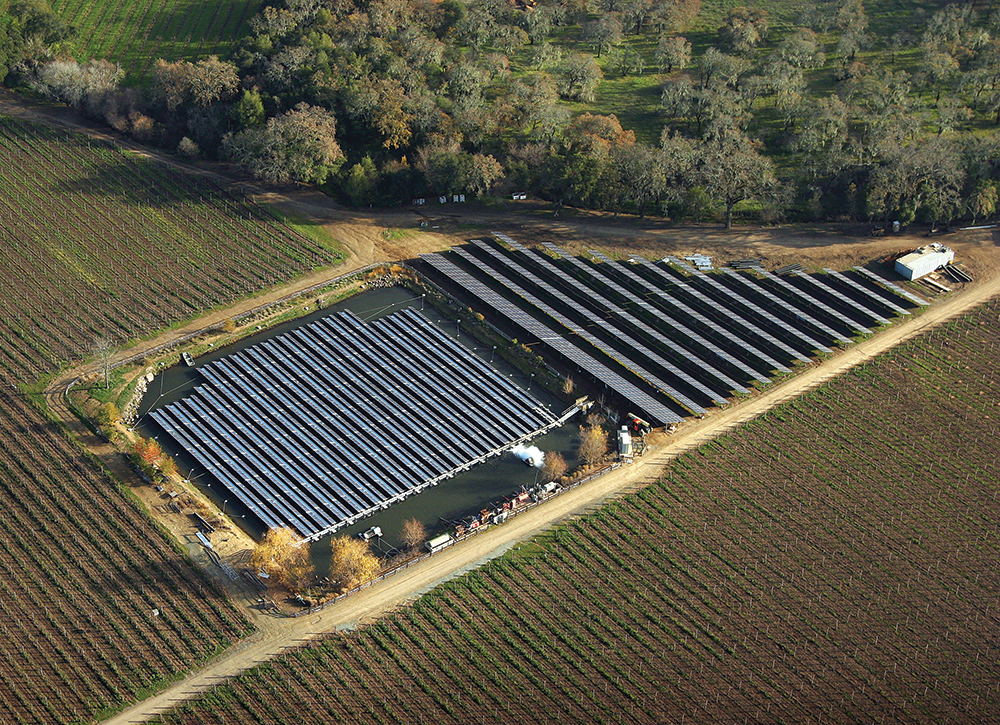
[(924, 260)]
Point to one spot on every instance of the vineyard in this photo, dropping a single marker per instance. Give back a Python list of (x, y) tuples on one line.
[(124, 247), (97, 606), (136, 34), (833, 561), (95, 603)]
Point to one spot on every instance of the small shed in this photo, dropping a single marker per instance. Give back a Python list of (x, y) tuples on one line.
[(923, 261)]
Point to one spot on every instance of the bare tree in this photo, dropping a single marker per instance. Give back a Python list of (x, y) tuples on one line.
[(104, 349), (413, 533), (554, 467)]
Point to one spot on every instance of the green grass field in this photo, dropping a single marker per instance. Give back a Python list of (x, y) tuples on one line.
[(137, 32)]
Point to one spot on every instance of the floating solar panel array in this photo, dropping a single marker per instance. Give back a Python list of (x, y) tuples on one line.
[(668, 343), (322, 426)]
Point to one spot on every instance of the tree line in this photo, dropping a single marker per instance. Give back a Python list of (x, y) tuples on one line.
[(385, 100)]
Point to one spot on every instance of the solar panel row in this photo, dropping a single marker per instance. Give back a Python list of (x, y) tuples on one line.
[(324, 425), (809, 299), (861, 289), (731, 314), (894, 287), (674, 302), (638, 324), (794, 309), (733, 295), (582, 332), (837, 294), (658, 412), (628, 340)]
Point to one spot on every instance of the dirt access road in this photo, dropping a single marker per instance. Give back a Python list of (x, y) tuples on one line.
[(403, 587)]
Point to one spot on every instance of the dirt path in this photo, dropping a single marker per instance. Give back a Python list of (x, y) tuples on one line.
[(403, 587)]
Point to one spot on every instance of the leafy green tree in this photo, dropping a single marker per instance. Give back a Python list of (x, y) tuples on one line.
[(581, 74), (605, 33), (361, 181), (248, 111), (483, 173), (538, 24), (300, 145), (983, 200), (108, 414), (744, 28), (543, 116), (924, 177), (938, 69), (801, 49), (852, 21)]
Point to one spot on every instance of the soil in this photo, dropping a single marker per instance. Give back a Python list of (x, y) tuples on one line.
[(372, 235)]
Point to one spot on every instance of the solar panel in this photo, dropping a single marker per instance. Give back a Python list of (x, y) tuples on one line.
[(860, 288), (624, 360), (640, 325), (797, 311), (890, 286), (784, 284), (671, 300), (732, 294), (624, 337), (324, 425), (399, 393), (837, 294), (649, 405), (731, 314)]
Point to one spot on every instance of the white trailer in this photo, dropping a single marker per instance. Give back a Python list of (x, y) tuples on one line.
[(439, 542), (923, 261)]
